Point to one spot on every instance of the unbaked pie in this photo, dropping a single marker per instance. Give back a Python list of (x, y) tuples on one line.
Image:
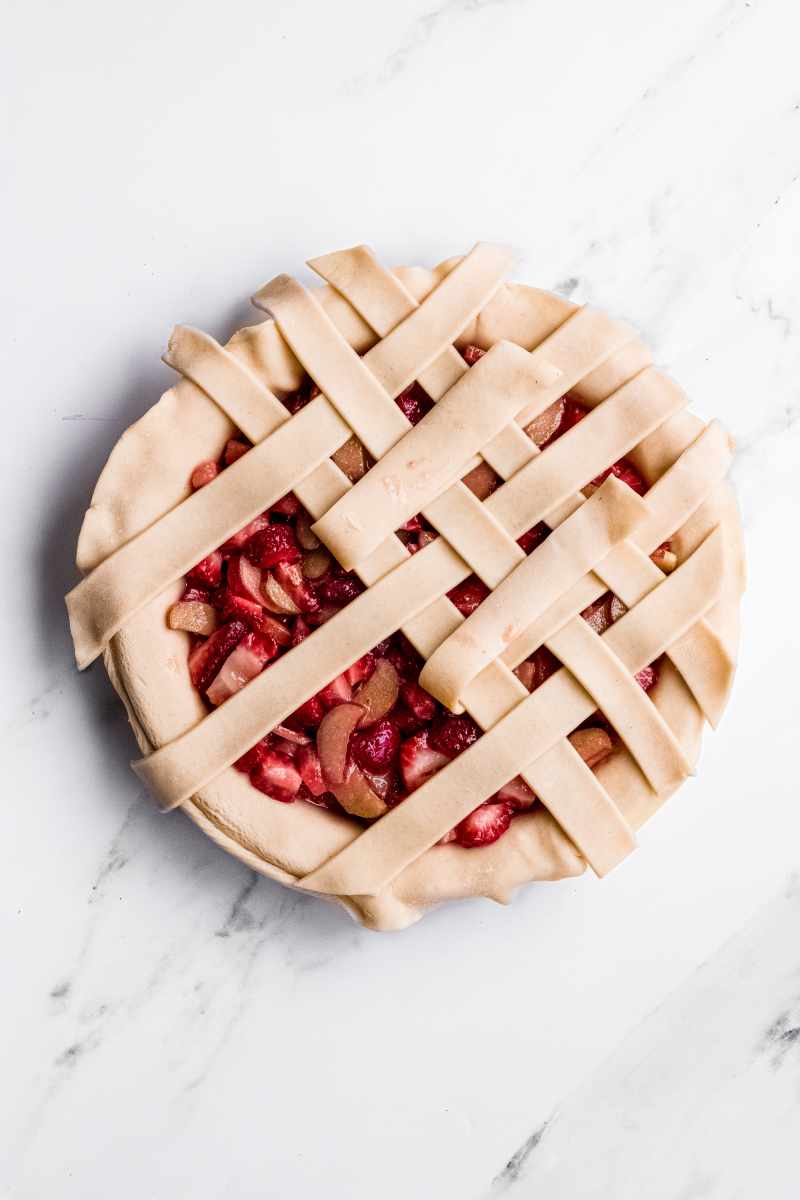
[(421, 588)]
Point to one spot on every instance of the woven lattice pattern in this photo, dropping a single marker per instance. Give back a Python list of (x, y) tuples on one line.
[(598, 543)]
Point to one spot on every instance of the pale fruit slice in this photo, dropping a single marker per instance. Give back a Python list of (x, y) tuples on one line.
[(357, 797), (542, 428), (593, 745), (193, 616), (247, 661), (274, 597), (378, 694), (333, 741), (244, 579)]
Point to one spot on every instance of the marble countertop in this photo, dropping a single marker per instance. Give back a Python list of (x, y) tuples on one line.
[(175, 1026)]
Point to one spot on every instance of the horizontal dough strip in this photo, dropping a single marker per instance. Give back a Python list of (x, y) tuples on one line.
[(535, 725), (136, 573), (529, 591)]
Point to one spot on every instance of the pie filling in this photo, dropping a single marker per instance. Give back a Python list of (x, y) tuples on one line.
[(373, 735)]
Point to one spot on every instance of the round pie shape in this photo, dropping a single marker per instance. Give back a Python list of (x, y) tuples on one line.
[(147, 476)]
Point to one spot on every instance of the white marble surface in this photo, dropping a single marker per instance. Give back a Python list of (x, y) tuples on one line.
[(174, 1026)]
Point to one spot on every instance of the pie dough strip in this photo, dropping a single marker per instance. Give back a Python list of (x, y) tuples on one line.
[(187, 764), (529, 591), (631, 713), (132, 576), (531, 729), (379, 297), (575, 797), (700, 656), (420, 468)]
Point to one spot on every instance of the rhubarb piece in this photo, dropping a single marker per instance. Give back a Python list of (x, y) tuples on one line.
[(296, 736), (204, 473), (357, 797), (481, 480), (540, 666), (377, 747), (208, 572), (360, 670), (664, 557), (305, 536), (333, 741), (378, 695), (193, 617), (419, 761), (277, 776), (244, 579), (290, 579), (234, 450), (547, 424), (351, 459), (207, 658), (485, 825), (316, 563), (598, 614), (274, 596), (593, 745)]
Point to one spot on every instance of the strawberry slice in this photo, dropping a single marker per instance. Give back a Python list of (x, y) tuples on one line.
[(532, 537), (419, 762), (418, 701), (246, 532), (413, 403), (287, 506), (376, 748), (204, 473), (309, 714), (338, 691), (273, 545), (207, 658), (468, 595), (208, 572), (625, 471), (252, 757), (341, 588), (485, 825), (360, 670), (234, 450), (450, 735), (277, 776), (647, 677), (247, 660), (308, 764), (471, 354), (516, 793)]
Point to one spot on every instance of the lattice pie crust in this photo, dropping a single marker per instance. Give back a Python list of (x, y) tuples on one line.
[(363, 338)]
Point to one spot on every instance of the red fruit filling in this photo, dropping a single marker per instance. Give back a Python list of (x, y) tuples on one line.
[(373, 735)]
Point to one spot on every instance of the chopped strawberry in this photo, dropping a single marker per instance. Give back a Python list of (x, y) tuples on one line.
[(307, 763), (246, 532), (403, 657), (360, 670), (419, 761), (341, 589), (471, 354), (290, 578), (540, 666), (300, 631), (625, 471), (287, 506), (208, 572), (253, 756), (598, 614), (276, 775), (203, 473), (273, 545), (234, 450), (199, 594), (516, 793), (247, 660), (647, 677), (413, 403), (486, 824), (231, 605), (468, 595), (574, 412), (377, 747), (418, 701), (338, 691), (452, 734), (413, 524), (207, 658), (531, 539), (309, 714)]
